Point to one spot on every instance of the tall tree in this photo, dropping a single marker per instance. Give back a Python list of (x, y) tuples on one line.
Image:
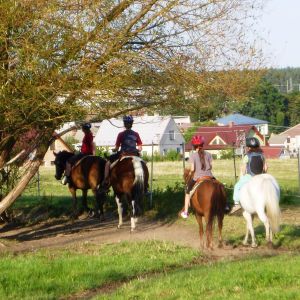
[(294, 108), (63, 60), (266, 103)]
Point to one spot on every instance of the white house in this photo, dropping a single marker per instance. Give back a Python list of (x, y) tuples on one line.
[(159, 132), (183, 122), (292, 139)]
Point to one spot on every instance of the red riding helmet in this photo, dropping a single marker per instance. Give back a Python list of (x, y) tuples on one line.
[(197, 140)]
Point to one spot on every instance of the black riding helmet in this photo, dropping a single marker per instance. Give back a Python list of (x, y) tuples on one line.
[(128, 119), (86, 126), (252, 142)]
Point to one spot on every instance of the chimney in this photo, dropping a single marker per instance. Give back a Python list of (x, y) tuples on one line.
[(230, 124)]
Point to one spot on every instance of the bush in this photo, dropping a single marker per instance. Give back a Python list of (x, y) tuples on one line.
[(226, 154), (103, 151)]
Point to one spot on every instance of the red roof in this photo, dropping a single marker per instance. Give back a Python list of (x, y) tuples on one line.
[(272, 152), (228, 134)]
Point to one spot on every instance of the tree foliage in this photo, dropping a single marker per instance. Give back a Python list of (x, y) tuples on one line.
[(65, 60), (266, 103)]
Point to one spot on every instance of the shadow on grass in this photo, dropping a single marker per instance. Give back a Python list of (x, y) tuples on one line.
[(165, 206), (287, 237)]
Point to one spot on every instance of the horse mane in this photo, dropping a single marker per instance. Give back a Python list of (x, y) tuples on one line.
[(64, 155)]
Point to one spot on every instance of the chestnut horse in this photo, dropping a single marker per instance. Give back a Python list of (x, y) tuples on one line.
[(129, 180), (209, 201), (86, 174)]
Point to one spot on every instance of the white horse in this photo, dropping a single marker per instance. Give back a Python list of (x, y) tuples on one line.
[(261, 195)]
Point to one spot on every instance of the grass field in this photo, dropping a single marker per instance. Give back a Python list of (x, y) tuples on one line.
[(167, 179), (148, 270)]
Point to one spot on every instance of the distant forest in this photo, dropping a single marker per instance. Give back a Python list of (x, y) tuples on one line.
[(276, 99), (286, 80)]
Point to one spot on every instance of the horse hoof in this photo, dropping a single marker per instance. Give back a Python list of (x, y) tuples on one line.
[(270, 245), (119, 226), (220, 245), (253, 245), (245, 244)]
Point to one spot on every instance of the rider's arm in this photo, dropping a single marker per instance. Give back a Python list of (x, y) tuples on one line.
[(244, 165), (118, 142), (139, 142), (265, 166)]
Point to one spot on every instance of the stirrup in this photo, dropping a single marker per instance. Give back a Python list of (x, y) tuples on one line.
[(235, 208)]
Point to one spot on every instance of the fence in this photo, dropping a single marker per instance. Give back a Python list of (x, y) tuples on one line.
[(286, 171)]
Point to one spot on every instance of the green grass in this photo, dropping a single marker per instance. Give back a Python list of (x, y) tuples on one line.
[(53, 274), (55, 199), (268, 278)]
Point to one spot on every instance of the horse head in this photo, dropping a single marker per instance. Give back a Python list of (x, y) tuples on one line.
[(187, 175), (60, 162)]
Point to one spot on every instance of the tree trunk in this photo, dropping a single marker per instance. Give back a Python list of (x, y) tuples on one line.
[(11, 197)]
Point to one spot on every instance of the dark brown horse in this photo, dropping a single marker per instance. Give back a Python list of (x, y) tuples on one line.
[(86, 174), (208, 202), (129, 180)]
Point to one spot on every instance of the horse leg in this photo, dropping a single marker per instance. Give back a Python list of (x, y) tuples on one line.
[(84, 201), (262, 216), (249, 221), (209, 229), (74, 202), (199, 220), (120, 211), (220, 226), (99, 204), (133, 218)]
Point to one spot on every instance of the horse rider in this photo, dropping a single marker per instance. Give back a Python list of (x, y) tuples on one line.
[(200, 166), (130, 143), (87, 148), (253, 163)]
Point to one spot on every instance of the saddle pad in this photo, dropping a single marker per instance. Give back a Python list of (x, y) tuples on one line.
[(134, 158), (79, 161), (198, 182)]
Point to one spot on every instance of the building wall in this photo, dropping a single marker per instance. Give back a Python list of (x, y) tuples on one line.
[(171, 139), (56, 146)]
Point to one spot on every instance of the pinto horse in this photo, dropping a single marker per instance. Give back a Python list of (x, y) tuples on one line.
[(129, 179), (261, 195), (86, 174), (208, 199)]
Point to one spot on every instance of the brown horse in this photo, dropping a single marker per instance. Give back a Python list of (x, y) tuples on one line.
[(129, 180), (208, 201), (86, 174)]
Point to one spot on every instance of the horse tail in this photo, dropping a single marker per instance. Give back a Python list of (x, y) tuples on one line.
[(218, 201), (139, 183), (272, 192)]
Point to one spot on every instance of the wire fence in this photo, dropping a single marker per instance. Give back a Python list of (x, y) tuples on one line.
[(162, 173)]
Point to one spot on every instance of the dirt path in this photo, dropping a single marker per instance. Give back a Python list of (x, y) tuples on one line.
[(61, 233)]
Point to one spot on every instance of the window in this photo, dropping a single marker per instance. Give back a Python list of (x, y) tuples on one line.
[(172, 135)]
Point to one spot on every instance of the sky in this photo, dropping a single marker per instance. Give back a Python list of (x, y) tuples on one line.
[(280, 26)]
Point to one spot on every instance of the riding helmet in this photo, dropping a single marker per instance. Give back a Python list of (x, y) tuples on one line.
[(198, 140), (128, 119), (86, 126), (252, 142)]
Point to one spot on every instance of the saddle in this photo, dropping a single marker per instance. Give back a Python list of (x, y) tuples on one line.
[(199, 181), (123, 156)]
